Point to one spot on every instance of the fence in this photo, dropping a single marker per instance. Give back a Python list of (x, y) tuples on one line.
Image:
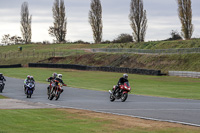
[(11, 66), (93, 68), (29, 54), (185, 74), (149, 51)]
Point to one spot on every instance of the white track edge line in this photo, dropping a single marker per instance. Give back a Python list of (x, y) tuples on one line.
[(133, 116)]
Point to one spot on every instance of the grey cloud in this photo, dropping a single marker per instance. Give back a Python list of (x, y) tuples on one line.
[(161, 14)]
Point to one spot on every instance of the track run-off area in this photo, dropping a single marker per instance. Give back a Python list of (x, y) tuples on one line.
[(183, 111)]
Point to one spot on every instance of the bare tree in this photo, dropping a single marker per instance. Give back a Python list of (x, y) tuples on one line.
[(26, 23), (15, 40), (95, 20), (59, 28), (5, 39), (185, 16), (138, 20)]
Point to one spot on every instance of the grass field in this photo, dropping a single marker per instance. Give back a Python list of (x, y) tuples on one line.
[(76, 121), (47, 47), (163, 86)]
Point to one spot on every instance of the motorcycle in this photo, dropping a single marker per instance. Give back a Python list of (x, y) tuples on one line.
[(57, 90), (121, 92), (49, 88), (30, 86), (1, 86)]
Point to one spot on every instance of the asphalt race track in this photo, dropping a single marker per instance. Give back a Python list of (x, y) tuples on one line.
[(147, 107)]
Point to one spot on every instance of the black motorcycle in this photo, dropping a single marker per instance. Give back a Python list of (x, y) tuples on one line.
[(2, 84)]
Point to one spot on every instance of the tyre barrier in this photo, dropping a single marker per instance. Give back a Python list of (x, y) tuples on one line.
[(93, 68), (11, 66)]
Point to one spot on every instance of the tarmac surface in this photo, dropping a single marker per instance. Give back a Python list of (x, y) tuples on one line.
[(182, 111)]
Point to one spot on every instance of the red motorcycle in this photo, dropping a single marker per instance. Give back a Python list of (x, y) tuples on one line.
[(57, 90), (120, 92), (49, 87)]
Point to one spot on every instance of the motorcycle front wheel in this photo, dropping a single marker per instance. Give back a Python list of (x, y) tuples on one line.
[(51, 96), (124, 97), (58, 95), (112, 98), (28, 96)]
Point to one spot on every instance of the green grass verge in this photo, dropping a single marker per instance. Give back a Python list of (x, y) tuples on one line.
[(193, 43), (2, 97), (61, 121), (163, 86), (45, 121)]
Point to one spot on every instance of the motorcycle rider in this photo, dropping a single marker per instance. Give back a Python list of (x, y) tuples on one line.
[(59, 80), (2, 78), (121, 81), (52, 83), (32, 79), (28, 79)]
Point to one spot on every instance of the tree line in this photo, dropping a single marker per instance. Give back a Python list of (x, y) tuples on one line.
[(137, 17)]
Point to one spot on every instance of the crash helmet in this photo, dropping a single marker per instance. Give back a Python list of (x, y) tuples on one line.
[(125, 76), (54, 75), (59, 76), (31, 77), (28, 76)]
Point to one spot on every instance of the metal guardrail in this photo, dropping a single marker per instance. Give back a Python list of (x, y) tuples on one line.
[(29, 54), (184, 74), (148, 51), (11, 66)]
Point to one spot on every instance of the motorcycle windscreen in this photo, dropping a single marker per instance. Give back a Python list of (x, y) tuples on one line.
[(127, 83)]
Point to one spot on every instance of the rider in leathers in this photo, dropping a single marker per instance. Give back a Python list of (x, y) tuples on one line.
[(2, 78), (59, 80), (52, 83), (121, 81), (27, 80)]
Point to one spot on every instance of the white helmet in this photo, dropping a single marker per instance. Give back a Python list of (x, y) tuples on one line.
[(125, 76), (59, 76)]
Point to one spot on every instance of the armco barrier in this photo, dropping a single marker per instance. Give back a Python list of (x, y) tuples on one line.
[(184, 74), (93, 68), (11, 66)]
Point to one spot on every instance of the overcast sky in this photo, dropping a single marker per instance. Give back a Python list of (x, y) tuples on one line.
[(161, 14)]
